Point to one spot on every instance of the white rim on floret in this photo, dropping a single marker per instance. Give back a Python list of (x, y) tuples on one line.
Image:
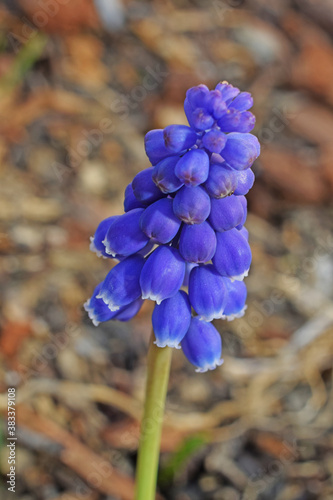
[(240, 277), (150, 296), (113, 307), (91, 313), (174, 345), (108, 250), (210, 318), (204, 369), (231, 317), (93, 248)]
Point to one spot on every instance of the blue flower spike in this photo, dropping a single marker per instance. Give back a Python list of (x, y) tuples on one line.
[(183, 228)]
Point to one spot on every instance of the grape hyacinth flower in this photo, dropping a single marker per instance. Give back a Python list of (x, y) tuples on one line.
[(171, 319), (202, 345), (99, 312), (181, 241)]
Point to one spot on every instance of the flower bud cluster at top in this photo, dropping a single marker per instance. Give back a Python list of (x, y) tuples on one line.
[(181, 241)]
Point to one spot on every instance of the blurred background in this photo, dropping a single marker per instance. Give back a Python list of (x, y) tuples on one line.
[(81, 82)]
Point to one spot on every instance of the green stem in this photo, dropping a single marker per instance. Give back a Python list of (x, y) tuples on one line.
[(159, 360)]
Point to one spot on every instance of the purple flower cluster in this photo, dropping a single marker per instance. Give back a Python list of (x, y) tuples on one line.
[(183, 227)]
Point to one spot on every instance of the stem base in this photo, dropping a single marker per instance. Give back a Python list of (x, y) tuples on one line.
[(159, 361)]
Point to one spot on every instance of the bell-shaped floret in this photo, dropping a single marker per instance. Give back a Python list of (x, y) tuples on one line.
[(192, 204), (97, 241), (99, 312), (242, 102), (124, 236), (162, 275), (155, 146), (215, 104), (194, 107), (222, 181), (122, 284), (241, 150), (144, 188), (192, 168), (232, 258), (202, 345), (197, 243), (228, 91), (178, 138), (196, 95), (130, 201), (164, 175), (245, 180), (198, 117), (214, 140), (235, 305), (171, 320), (159, 222), (226, 213), (201, 119), (207, 292), (236, 121), (246, 123)]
